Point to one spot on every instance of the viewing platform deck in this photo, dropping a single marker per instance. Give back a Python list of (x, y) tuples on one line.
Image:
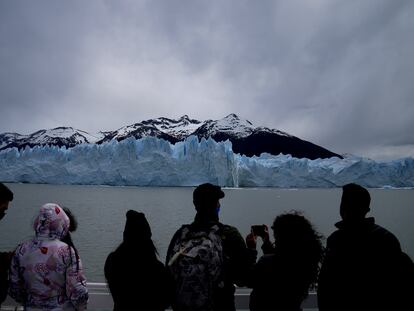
[(100, 299)]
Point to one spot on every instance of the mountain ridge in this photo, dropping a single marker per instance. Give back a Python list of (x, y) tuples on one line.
[(246, 138)]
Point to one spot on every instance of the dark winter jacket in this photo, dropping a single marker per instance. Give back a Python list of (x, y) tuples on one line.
[(4, 275), (361, 270), (137, 282), (279, 283), (238, 260), (281, 279)]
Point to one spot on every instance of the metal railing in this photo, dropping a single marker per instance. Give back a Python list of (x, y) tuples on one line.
[(101, 299)]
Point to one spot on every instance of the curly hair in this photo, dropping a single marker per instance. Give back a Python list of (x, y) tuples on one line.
[(299, 243)]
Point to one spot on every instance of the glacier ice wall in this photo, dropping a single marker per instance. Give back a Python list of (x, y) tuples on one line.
[(155, 162)]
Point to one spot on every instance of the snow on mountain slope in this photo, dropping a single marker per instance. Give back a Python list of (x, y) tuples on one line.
[(178, 129), (8, 138), (230, 125), (63, 133), (60, 136), (245, 137)]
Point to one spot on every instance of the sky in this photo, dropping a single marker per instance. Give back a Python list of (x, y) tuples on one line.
[(337, 73)]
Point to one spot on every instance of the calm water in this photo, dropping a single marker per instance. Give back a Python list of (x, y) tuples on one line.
[(101, 213)]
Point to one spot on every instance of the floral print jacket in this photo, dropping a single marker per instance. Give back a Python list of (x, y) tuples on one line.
[(45, 272)]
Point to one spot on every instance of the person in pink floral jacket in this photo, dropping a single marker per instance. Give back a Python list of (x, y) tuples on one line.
[(46, 273)]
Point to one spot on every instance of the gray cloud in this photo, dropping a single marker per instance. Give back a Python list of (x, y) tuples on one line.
[(337, 73)]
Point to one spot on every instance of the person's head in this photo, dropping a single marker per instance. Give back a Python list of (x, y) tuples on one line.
[(293, 229), (137, 227), (137, 234), (300, 244), (51, 222), (206, 199), (355, 202), (6, 196)]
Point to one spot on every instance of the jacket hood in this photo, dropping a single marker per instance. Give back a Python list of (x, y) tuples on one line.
[(137, 227), (52, 222)]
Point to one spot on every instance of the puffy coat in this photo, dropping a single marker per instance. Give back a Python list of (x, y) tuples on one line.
[(45, 272)]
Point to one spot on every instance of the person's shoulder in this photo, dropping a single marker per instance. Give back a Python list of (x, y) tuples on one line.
[(230, 233), (114, 264), (334, 236), (24, 246), (183, 226), (177, 236), (61, 248), (381, 231), (111, 256), (180, 231), (24, 243), (228, 229), (121, 255), (385, 237), (59, 243)]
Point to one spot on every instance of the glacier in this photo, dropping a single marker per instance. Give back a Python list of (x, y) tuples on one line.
[(151, 161)]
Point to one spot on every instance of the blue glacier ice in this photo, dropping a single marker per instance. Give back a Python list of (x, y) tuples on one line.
[(155, 162)]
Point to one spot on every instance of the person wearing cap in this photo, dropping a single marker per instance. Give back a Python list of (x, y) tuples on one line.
[(6, 196), (238, 259), (137, 280), (363, 265)]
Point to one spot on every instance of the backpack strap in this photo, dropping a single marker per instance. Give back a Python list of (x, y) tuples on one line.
[(182, 232), (185, 234)]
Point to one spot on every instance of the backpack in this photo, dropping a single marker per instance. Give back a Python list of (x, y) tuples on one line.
[(197, 268)]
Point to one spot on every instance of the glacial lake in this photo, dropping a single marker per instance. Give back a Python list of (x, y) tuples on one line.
[(100, 211)]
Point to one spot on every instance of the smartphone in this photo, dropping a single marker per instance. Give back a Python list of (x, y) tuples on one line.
[(258, 230)]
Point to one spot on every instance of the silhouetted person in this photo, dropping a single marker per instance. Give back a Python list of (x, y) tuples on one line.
[(364, 266), (282, 277), (136, 278), (45, 272), (6, 196), (206, 258)]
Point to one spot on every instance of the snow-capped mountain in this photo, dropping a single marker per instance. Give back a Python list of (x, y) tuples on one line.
[(231, 125), (246, 138), (60, 136), (6, 139), (168, 129)]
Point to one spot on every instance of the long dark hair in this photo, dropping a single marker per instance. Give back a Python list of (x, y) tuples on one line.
[(301, 245), (73, 225)]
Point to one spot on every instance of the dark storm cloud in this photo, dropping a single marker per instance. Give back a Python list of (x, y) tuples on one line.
[(40, 55), (338, 73)]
